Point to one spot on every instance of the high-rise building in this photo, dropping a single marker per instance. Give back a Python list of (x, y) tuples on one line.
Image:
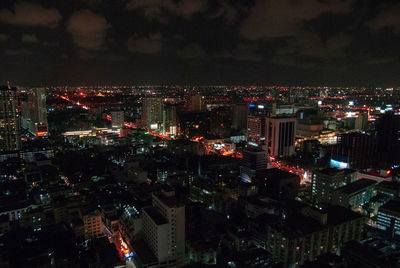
[(170, 121), (195, 102), (355, 149), (10, 120), (361, 122), (326, 181), (152, 113), (164, 229), (388, 133), (117, 119), (280, 135), (34, 112), (239, 115), (256, 129), (254, 160)]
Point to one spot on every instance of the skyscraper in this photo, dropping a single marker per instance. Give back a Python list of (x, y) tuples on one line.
[(152, 113), (239, 115), (388, 133), (34, 112), (10, 121), (195, 103), (117, 119), (280, 135)]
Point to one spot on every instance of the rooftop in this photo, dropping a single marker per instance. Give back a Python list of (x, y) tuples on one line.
[(338, 215), (170, 201), (332, 171), (155, 215), (357, 186), (392, 205)]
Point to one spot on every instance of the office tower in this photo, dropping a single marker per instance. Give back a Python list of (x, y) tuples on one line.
[(117, 119), (280, 135), (34, 112), (170, 122), (389, 217), (326, 181), (388, 145), (10, 121), (355, 149), (256, 129), (152, 113), (195, 103), (164, 229), (239, 115), (361, 122), (254, 160)]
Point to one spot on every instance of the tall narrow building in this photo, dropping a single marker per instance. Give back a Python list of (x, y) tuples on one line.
[(34, 112), (10, 120), (152, 113), (280, 135), (256, 129), (164, 229)]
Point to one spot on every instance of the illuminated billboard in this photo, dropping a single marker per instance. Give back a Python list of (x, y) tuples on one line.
[(338, 164)]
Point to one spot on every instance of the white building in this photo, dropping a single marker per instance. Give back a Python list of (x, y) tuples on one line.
[(164, 229), (280, 135)]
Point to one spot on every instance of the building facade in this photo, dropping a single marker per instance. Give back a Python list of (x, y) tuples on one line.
[(10, 120), (34, 112), (280, 135)]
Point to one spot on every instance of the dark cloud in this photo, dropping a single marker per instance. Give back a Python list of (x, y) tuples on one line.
[(389, 17), (88, 29), (30, 14), (192, 51), (200, 41), (30, 38), (270, 19), (147, 45), (3, 37), (159, 9)]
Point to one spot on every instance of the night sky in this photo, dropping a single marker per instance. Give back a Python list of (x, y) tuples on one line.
[(258, 42)]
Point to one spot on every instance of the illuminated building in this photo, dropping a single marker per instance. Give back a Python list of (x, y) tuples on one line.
[(93, 224), (152, 113), (10, 121), (389, 217), (280, 135), (256, 129), (325, 181), (34, 112), (164, 229), (117, 119), (306, 234), (354, 195), (254, 160), (170, 120), (355, 149)]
